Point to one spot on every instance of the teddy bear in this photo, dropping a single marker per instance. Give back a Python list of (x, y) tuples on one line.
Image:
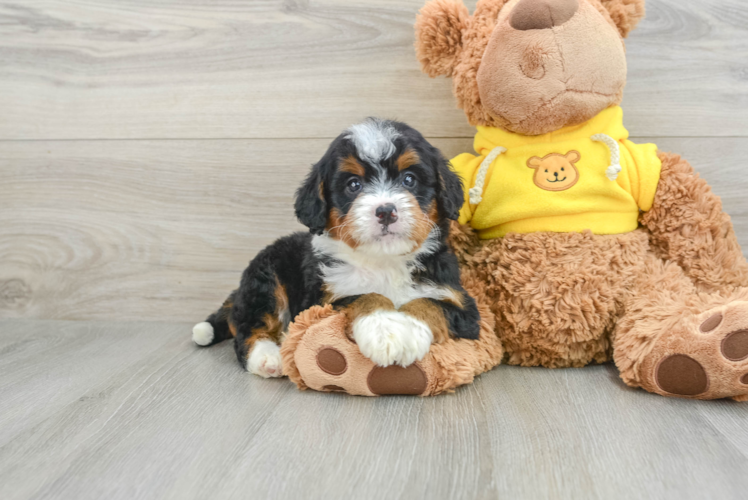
[(580, 246)]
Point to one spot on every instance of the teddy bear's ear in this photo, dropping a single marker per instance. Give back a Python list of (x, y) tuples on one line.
[(573, 156), (534, 162), (439, 28), (626, 14)]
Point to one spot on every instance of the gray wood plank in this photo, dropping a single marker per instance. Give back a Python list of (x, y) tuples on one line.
[(76, 356), (307, 68), (171, 420), (161, 230)]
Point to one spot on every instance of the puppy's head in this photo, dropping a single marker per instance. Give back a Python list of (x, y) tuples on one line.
[(380, 187)]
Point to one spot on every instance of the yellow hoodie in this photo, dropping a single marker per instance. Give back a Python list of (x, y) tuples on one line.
[(587, 176)]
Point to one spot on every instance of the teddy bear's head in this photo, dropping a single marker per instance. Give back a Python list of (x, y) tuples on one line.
[(529, 66)]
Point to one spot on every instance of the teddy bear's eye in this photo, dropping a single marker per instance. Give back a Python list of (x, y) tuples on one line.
[(562, 169), (546, 170)]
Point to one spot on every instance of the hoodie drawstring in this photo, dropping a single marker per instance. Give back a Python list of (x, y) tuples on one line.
[(615, 155), (476, 192)]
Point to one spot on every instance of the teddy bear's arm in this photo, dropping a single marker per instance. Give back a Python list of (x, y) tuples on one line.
[(687, 225)]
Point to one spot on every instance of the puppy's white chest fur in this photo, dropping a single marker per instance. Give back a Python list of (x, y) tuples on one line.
[(357, 272), (393, 280)]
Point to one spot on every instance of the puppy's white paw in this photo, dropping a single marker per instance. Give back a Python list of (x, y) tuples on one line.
[(391, 337), (202, 333), (265, 359)]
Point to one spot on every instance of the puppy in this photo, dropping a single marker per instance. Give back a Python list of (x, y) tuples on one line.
[(378, 206)]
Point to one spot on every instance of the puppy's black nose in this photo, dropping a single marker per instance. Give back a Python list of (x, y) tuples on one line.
[(387, 214), (555, 173)]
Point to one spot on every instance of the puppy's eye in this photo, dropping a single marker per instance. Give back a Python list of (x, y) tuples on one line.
[(409, 181), (562, 169), (353, 186)]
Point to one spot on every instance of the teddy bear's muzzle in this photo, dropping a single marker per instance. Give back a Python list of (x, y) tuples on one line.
[(542, 14)]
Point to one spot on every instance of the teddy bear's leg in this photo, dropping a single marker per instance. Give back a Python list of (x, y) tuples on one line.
[(319, 354), (673, 340), (687, 226)]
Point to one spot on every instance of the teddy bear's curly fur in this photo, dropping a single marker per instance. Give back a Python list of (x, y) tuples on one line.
[(666, 302)]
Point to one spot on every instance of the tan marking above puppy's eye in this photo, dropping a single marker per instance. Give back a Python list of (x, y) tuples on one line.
[(407, 159), (352, 166)]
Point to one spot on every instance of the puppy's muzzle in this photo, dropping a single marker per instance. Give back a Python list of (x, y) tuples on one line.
[(386, 214)]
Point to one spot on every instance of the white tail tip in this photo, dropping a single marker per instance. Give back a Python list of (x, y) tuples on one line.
[(202, 333)]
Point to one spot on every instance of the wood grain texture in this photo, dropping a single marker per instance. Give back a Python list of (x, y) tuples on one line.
[(135, 410), (89, 69), (149, 149), (161, 230)]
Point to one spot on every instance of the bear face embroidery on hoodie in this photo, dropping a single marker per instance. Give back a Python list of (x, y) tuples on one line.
[(555, 172)]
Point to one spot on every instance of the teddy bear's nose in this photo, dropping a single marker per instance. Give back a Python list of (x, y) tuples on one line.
[(542, 14)]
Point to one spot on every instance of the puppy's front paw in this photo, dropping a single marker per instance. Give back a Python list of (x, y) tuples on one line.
[(265, 359), (391, 337)]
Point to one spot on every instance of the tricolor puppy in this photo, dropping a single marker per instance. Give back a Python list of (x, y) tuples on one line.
[(378, 206)]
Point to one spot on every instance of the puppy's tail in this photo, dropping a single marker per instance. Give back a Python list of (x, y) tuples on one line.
[(216, 328)]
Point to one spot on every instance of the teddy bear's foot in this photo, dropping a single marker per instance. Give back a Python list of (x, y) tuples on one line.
[(368, 379), (330, 361), (706, 360), (318, 354), (342, 368)]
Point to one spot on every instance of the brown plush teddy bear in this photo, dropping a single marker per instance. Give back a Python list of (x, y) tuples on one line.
[(585, 246)]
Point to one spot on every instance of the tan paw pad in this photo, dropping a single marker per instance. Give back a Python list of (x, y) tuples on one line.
[(735, 345), (331, 361), (395, 379), (681, 375), (333, 388), (711, 323)]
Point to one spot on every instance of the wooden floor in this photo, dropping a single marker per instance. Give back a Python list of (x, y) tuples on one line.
[(149, 149), (94, 410)]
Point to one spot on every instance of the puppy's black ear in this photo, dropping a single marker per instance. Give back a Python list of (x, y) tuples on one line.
[(450, 196), (311, 208)]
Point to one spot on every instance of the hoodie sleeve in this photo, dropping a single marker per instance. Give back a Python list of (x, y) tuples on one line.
[(466, 165), (646, 174)]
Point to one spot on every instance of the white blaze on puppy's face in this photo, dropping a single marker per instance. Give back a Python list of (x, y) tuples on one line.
[(374, 140)]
